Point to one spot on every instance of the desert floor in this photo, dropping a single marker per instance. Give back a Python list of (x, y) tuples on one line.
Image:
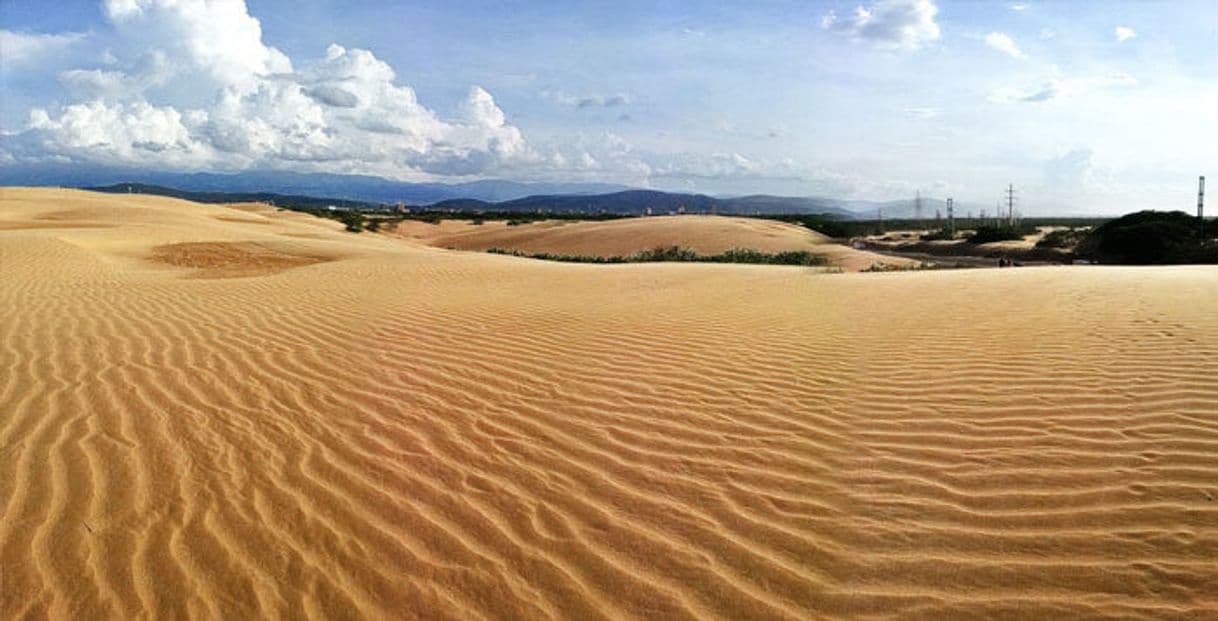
[(232, 413)]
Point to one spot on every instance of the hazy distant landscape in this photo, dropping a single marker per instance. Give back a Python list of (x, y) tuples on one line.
[(893, 309)]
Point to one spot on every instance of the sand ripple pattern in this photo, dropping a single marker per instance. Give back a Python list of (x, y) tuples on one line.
[(416, 433)]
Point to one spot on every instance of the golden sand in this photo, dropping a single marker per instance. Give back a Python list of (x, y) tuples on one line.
[(706, 235), (378, 429)]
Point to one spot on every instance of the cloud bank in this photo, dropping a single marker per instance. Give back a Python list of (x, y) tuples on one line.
[(192, 85)]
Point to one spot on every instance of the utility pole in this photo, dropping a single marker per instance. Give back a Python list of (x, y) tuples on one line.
[(1011, 204), (951, 218), (1201, 205)]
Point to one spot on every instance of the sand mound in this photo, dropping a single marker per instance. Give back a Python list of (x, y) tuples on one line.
[(414, 433), (705, 234), (232, 259)]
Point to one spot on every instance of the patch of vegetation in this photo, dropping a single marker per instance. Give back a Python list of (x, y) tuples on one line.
[(679, 254), (939, 235), (1148, 238), (352, 220), (1001, 232), (917, 267), (1062, 238), (845, 229)]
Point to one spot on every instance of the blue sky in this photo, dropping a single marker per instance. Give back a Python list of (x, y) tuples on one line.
[(1085, 106)]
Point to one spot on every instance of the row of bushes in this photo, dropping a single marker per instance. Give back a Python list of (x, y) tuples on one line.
[(1001, 232), (678, 254), (917, 267), (1151, 237)]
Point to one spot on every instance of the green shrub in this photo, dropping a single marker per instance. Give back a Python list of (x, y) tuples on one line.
[(917, 267), (1149, 237), (1003, 232), (1062, 238), (678, 254), (353, 220)]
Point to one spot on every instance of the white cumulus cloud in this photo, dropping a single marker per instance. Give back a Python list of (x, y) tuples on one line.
[(890, 24), (1124, 33), (1004, 43), (23, 48), (192, 85)]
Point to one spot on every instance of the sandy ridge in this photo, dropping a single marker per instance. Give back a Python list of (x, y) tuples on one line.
[(409, 432)]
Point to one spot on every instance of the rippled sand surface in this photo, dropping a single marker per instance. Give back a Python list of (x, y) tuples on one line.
[(209, 412), (706, 235)]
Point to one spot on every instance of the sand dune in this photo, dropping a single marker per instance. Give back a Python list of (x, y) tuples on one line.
[(705, 234), (378, 429)]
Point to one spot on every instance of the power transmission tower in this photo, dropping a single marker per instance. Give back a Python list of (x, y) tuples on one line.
[(1201, 205), (951, 218), (1011, 204)]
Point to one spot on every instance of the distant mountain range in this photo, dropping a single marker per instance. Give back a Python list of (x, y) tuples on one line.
[(640, 201), (361, 188), (320, 189)]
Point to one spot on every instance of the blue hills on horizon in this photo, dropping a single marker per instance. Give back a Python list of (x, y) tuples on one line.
[(481, 195)]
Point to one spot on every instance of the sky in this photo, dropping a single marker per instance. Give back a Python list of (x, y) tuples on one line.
[(1086, 107)]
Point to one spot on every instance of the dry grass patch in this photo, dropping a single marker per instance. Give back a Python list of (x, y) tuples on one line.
[(233, 259)]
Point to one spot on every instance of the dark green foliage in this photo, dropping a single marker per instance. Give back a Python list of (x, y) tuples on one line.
[(1149, 237), (918, 267), (941, 234), (662, 253), (351, 219), (845, 229), (678, 254), (1001, 232), (1062, 238)]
